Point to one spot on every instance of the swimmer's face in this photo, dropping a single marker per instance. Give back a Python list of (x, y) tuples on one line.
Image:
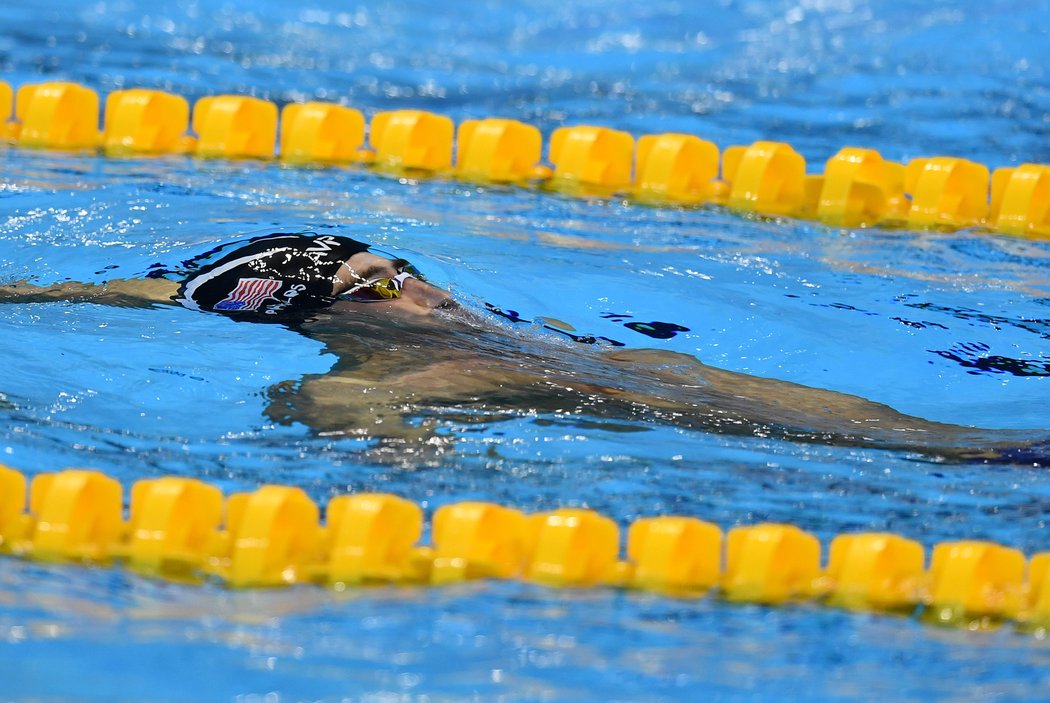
[(415, 295)]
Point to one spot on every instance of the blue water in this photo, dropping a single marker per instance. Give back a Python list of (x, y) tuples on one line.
[(953, 327)]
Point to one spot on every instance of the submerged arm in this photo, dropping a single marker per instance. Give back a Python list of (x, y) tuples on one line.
[(801, 412), (124, 292), (647, 385)]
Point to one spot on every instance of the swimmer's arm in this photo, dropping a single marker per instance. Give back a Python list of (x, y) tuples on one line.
[(638, 384), (136, 293), (769, 406)]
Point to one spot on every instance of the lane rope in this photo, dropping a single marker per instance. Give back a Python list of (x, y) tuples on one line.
[(183, 529), (858, 187)]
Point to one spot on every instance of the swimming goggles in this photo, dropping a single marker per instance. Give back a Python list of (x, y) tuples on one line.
[(384, 288)]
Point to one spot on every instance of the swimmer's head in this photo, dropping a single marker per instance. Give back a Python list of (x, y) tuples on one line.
[(274, 275), (367, 277)]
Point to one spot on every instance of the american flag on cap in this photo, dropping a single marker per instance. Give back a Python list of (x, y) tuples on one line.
[(249, 294)]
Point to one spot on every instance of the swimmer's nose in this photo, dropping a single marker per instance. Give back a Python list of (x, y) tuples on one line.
[(426, 295)]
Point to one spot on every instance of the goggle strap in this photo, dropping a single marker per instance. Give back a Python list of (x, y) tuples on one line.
[(399, 279)]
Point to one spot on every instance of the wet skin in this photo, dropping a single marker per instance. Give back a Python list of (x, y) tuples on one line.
[(421, 355)]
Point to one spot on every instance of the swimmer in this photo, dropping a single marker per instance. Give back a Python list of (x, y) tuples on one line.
[(405, 349), (267, 278)]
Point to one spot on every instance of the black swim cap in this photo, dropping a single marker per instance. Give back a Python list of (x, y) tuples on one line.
[(271, 274)]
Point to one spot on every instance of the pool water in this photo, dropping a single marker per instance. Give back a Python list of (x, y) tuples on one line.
[(949, 326)]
